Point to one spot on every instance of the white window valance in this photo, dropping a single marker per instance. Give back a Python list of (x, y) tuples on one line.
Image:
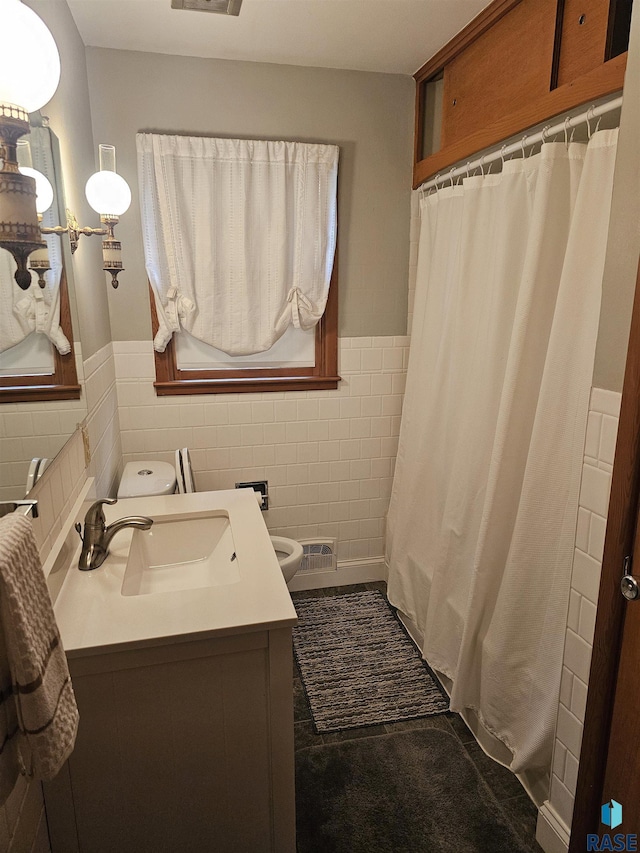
[(239, 236)]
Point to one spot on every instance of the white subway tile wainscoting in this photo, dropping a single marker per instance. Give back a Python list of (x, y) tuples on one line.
[(328, 455), (555, 815)]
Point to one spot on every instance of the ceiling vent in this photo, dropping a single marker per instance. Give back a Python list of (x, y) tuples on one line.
[(220, 7)]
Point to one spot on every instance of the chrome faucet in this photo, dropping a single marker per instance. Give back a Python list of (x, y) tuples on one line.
[(97, 536)]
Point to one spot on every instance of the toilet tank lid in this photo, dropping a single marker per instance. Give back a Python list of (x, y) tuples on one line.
[(147, 477)]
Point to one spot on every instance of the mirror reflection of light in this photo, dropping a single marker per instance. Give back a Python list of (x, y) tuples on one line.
[(44, 190)]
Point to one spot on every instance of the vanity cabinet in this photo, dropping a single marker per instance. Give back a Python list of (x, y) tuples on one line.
[(517, 64), (186, 746)]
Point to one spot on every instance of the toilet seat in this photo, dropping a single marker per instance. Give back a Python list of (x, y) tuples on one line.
[(179, 472), (184, 471), (189, 485)]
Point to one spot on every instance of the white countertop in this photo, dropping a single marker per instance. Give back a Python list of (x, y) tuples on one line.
[(95, 617)]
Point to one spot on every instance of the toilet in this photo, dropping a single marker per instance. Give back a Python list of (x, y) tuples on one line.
[(289, 554), (144, 478), (141, 479)]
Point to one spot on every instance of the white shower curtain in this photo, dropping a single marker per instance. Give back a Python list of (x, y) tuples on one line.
[(483, 510)]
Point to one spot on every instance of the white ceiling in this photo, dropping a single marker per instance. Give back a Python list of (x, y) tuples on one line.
[(395, 36)]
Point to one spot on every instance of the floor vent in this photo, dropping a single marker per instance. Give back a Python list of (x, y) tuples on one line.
[(319, 555)]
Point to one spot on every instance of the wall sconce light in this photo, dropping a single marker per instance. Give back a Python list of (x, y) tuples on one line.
[(26, 87), (109, 195)]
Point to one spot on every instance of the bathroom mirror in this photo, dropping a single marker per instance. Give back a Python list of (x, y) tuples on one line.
[(41, 382)]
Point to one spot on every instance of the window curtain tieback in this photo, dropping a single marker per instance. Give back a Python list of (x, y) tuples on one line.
[(178, 308), (174, 314), (302, 309), (34, 309)]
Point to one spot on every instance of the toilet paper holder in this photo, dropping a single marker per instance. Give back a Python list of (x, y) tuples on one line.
[(260, 486)]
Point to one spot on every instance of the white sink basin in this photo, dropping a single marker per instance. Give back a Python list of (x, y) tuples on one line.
[(179, 553)]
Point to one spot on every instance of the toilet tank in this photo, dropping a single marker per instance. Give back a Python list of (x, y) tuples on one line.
[(147, 478)]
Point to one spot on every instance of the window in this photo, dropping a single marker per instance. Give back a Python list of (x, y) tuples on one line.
[(240, 249)]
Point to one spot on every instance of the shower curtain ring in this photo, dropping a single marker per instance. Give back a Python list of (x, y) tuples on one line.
[(589, 117), (523, 142), (451, 171), (502, 150), (545, 131), (567, 123)]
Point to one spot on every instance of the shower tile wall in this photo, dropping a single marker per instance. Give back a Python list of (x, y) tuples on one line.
[(328, 455), (604, 411)]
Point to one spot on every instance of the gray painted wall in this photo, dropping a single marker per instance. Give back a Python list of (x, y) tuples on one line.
[(70, 115), (621, 263), (370, 116)]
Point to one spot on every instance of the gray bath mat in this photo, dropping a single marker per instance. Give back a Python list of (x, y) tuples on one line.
[(358, 666), (407, 792)]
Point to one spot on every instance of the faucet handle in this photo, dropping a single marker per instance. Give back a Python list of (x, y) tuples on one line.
[(95, 513)]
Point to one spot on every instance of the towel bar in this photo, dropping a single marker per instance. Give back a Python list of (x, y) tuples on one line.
[(11, 506)]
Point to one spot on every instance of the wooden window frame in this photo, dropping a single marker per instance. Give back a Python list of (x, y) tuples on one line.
[(62, 384), (172, 380)]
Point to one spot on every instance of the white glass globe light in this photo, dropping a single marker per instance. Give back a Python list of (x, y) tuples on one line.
[(29, 58), (108, 193), (44, 190)]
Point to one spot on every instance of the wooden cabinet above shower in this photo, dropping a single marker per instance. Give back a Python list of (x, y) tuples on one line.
[(517, 64)]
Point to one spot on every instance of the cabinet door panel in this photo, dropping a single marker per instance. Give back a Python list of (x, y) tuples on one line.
[(583, 38), (508, 65)]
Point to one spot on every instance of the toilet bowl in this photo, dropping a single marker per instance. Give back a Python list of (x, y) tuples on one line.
[(289, 554), (146, 478)]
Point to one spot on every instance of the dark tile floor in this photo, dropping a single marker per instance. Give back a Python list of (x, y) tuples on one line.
[(518, 809)]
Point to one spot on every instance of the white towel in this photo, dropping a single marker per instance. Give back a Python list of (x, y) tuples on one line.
[(39, 718)]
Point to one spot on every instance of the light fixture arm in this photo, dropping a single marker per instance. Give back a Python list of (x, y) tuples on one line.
[(111, 248), (74, 230)]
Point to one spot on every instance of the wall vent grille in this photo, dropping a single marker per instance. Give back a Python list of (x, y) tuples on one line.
[(220, 7), (319, 555)]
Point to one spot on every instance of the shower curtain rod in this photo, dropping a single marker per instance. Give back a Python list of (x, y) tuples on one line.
[(526, 140)]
